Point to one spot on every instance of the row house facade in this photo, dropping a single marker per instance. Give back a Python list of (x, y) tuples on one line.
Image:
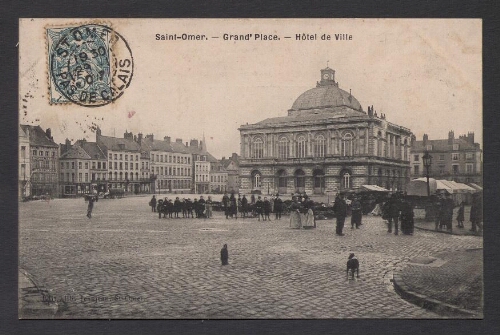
[(82, 169), (24, 180), (39, 157), (457, 159), (232, 167), (218, 178), (170, 162), (327, 142), (126, 163)]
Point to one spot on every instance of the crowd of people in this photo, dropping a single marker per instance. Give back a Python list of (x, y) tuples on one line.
[(396, 210)]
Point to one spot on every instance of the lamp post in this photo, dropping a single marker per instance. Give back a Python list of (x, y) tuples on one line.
[(427, 164)]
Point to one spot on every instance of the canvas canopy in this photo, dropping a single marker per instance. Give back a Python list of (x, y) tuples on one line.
[(374, 188), (476, 187), (419, 187)]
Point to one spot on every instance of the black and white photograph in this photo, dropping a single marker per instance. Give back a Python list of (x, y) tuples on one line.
[(250, 169)]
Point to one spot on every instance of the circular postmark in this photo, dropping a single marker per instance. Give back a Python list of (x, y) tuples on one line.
[(91, 65)]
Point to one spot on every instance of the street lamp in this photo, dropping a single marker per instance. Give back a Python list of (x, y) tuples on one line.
[(427, 164)]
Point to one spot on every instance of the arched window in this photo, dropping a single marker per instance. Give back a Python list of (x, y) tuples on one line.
[(256, 180), (301, 147), (282, 180), (346, 180), (283, 148), (300, 179), (347, 147), (258, 148), (319, 146)]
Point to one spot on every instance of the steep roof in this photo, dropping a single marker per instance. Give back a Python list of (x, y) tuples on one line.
[(75, 152), (443, 145), (92, 149), (38, 137), (113, 143)]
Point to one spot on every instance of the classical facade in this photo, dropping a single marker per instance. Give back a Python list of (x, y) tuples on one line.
[(458, 159), (327, 142)]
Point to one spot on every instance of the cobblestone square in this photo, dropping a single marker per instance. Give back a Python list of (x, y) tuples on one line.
[(127, 263)]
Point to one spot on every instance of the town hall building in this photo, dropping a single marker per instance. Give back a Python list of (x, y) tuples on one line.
[(327, 142)]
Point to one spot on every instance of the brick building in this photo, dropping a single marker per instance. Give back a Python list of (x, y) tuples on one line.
[(326, 142)]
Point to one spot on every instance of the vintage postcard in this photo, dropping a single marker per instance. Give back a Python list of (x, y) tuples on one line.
[(250, 169)]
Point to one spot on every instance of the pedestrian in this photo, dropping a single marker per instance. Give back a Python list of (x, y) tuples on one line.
[(152, 203), (393, 208), (295, 219), (438, 212), (476, 212), (224, 255), (340, 209), (267, 209), (208, 206), (447, 209), (189, 207), (177, 207), (240, 206), (225, 204), (159, 207), (244, 205), (407, 223), (195, 207), (259, 208), (90, 207), (252, 199), (202, 208), (278, 207), (233, 206), (461, 215), (356, 213)]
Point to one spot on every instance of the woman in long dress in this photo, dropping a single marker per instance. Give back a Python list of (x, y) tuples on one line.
[(295, 219)]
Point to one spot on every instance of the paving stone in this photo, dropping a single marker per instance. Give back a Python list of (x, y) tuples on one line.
[(168, 268)]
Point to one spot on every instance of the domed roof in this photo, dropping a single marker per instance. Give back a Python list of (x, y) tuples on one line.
[(326, 96)]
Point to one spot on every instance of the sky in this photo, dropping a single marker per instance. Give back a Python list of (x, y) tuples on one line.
[(424, 74)]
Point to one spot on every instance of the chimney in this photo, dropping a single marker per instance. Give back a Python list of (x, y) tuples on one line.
[(425, 139), (48, 132), (150, 137), (223, 158), (470, 137), (187, 144), (135, 138), (139, 138), (98, 133), (178, 140), (128, 136), (193, 143), (201, 145), (451, 137), (167, 139), (234, 156)]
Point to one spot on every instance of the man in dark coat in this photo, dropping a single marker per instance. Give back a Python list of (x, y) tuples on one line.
[(447, 209), (340, 209), (201, 207), (267, 209), (356, 213), (152, 203), (195, 207), (177, 207), (476, 212), (393, 207), (224, 255), (407, 223), (189, 207), (244, 205), (90, 207), (225, 205), (259, 208), (233, 206), (278, 207), (159, 207)]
